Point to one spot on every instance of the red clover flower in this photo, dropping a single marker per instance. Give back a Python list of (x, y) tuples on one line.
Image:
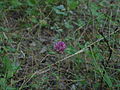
[(60, 46)]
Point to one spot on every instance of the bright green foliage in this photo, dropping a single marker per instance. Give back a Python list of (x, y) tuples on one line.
[(9, 68)]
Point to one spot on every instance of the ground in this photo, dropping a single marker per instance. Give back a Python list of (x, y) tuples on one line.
[(29, 30)]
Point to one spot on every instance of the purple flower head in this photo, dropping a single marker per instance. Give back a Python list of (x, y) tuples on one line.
[(60, 46)]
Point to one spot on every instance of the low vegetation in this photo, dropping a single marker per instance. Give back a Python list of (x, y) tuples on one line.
[(59, 44)]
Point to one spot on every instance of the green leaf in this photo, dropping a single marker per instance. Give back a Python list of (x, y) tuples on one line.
[(43, 23), (72, 4), (32, 2), (68, 25), (94, 8), (4, 29), (70, 50), (80, 23), (10, 49), (32, 12), (118, 85), (51, 1), (61, 7), (60, 10), (10, 88), (2, 82), (107, 79), (9, 66), (33, 19), (2, 5), (51, 52), (15, 3)]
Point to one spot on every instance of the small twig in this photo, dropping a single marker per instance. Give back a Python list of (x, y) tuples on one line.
[(107, 42)]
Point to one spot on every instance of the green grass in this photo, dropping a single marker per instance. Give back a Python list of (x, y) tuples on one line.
[(29, 29)]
